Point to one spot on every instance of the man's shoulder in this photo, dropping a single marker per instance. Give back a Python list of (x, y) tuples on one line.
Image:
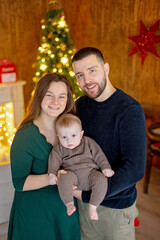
[(126, 100), (82, 100)]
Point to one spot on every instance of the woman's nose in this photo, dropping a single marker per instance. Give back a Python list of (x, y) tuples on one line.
[(55, 100)]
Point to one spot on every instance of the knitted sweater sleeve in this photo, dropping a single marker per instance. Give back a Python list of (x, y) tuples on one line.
[(55, 160), (98, 156), (132, 154)]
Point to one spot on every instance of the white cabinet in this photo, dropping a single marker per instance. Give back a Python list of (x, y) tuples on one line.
[(6, 192), (10, 92)]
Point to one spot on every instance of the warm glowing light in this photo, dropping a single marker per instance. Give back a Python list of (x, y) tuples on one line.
[(43, 26), (54, 70), (64, 60), (56, 39), (41, 49), (60, 70), (7, 130), (52, 55), (37, 74), (43, 67), (61, 23), (71, 73)]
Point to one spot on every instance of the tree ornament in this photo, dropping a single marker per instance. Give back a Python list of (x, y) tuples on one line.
[(145, 41)]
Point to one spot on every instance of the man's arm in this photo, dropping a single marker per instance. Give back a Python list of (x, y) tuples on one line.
[(132, 153)]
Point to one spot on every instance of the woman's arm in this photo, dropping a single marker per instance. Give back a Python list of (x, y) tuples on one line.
[(35, 182)]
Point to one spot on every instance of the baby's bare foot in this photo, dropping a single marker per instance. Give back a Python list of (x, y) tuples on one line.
[(93, 212), (70, 208)]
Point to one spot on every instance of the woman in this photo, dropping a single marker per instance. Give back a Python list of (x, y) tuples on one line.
[(37, 212)]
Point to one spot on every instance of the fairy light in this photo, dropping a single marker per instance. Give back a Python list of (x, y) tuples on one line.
[(61, 23), (60, 70), (54, 70), (7, 130), (37, 74), (71, 73), (64, 60), (52, 55), (43, 67)]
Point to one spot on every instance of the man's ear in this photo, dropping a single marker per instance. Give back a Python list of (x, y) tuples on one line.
[(106, 68)]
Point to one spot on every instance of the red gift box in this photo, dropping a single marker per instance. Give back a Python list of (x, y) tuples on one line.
[(8, 71)]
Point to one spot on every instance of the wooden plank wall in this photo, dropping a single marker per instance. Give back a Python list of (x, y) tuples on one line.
[(105, 24)]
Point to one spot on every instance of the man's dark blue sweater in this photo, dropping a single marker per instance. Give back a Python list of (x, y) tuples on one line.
[(118, 126)]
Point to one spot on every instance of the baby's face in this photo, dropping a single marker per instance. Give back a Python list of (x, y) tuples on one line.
[(70, 137)]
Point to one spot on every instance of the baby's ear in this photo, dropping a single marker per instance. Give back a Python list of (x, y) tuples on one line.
[(82, 132)]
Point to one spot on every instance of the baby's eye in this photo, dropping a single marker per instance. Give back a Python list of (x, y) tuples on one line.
[(92, 70), (73, 135), (64, 137)]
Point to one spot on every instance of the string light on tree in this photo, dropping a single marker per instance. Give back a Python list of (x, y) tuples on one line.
[(7, 130), (56, 50)]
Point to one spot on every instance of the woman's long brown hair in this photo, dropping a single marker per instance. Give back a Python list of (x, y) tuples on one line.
[(34, 107)]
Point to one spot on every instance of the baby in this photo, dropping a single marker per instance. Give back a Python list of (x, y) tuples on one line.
[(83, 159)]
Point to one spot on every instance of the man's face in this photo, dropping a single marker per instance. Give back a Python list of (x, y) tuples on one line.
[(90, 74)]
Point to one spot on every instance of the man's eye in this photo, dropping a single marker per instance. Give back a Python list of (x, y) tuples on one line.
[(79, 75)]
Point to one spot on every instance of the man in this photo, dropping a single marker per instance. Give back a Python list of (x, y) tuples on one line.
[(116, 122)]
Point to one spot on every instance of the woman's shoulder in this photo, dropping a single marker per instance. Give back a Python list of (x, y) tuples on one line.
[(26, 127), (27, 130)]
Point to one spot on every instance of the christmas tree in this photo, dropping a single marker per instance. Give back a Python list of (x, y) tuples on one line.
[(56, 50)]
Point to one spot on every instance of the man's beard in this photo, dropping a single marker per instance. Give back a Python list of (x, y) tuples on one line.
[(101, 88)]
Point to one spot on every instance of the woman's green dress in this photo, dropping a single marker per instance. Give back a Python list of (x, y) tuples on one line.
[(37, 214)]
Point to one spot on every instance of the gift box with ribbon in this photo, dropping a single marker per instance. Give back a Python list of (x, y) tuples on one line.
[(8, 71)]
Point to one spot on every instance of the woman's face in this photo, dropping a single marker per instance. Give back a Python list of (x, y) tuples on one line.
[(55, 99)]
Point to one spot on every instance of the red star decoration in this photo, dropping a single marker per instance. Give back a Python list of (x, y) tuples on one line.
[(145, 41)]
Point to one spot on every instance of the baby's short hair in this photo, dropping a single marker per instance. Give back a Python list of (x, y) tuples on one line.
[(66, 120)]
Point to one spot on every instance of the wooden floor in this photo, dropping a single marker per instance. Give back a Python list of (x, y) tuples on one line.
[(149, 211)]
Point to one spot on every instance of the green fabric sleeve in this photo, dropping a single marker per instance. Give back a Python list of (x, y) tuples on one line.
[(22, 156)]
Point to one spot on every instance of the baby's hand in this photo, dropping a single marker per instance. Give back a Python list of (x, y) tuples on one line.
[(108, 172), (52, 179)]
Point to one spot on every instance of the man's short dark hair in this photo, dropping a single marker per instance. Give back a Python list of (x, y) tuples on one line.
[(85, 52)]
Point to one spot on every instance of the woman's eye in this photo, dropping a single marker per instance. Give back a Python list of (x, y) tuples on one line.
[(62, 97), (49, 95)]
